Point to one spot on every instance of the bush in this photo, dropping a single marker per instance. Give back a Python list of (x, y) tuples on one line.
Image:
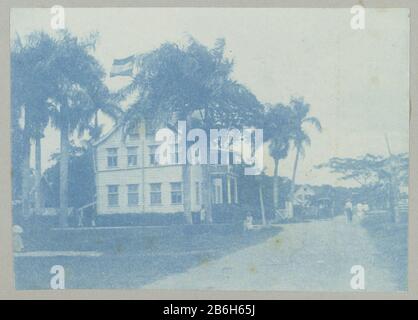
[(228, 213), (143, 219)]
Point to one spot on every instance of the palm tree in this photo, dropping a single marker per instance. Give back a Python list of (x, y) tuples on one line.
[(57, 80), (277, 131), (300, 137), (194, 83), (29, 103), (79, 92)]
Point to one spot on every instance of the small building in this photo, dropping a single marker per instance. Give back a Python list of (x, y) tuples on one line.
[(303, 195), (129, 179)]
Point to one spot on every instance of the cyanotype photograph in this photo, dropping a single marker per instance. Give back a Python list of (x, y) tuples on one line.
[(221, 149)]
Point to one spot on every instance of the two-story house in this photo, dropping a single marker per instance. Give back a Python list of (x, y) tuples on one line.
[(129, 179)]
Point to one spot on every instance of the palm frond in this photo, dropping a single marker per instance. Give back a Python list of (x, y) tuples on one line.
[(315, 122)]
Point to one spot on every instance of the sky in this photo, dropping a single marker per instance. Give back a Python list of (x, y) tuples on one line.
[(356, 81)]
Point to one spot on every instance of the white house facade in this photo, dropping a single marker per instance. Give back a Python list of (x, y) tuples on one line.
[(129, 180)]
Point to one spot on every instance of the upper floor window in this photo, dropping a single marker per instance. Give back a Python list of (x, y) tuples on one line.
[(151, 129), (175, 155), (155, 193), (133, 132), (113, 195), (112, 157), (132, 156), (152, 157), (176, 193)]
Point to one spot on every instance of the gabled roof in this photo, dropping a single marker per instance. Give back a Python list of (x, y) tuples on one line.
[(106, 136), (305, 189)]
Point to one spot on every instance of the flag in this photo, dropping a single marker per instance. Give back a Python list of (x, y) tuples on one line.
[(122, 67)]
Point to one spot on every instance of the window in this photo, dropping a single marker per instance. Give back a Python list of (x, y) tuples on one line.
[(155, 193), (133, 195), (132, 156), (152, 158), (175, 155), (217, 191), (176, 193), (170, 156), (197, 192), (133, 132), (112, 157), (113, 195), (151, 130)]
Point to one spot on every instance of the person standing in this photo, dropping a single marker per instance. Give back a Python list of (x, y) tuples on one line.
[(248, 222), (17, 238), (348, 209), (202, 214)]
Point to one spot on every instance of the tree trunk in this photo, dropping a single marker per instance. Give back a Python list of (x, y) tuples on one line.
[(96, 131), (295, 168), (276, 185), (206, 180), (26, 177), (293, 185), (186, 175), (96, 119), (38, 175), (260, 193), (207, 192), (186, 193), (64, 175)]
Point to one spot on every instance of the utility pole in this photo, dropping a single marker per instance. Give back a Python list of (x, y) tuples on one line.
[(261, 198), (393, 208)]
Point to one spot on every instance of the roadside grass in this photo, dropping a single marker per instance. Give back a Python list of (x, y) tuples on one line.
[(146, 239), (391, 241), (133, 256)]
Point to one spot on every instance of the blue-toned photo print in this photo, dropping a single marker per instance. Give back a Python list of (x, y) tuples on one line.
[(210, 148)]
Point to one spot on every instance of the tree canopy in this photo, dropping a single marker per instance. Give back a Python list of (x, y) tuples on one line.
[(180, 81), (370, 169), (49, 73), (278, 128)]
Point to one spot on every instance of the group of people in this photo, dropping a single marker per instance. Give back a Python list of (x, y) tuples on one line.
[(349, 210)]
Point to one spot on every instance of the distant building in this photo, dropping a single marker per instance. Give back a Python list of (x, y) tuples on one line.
[(129, 180), (303, 195)]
